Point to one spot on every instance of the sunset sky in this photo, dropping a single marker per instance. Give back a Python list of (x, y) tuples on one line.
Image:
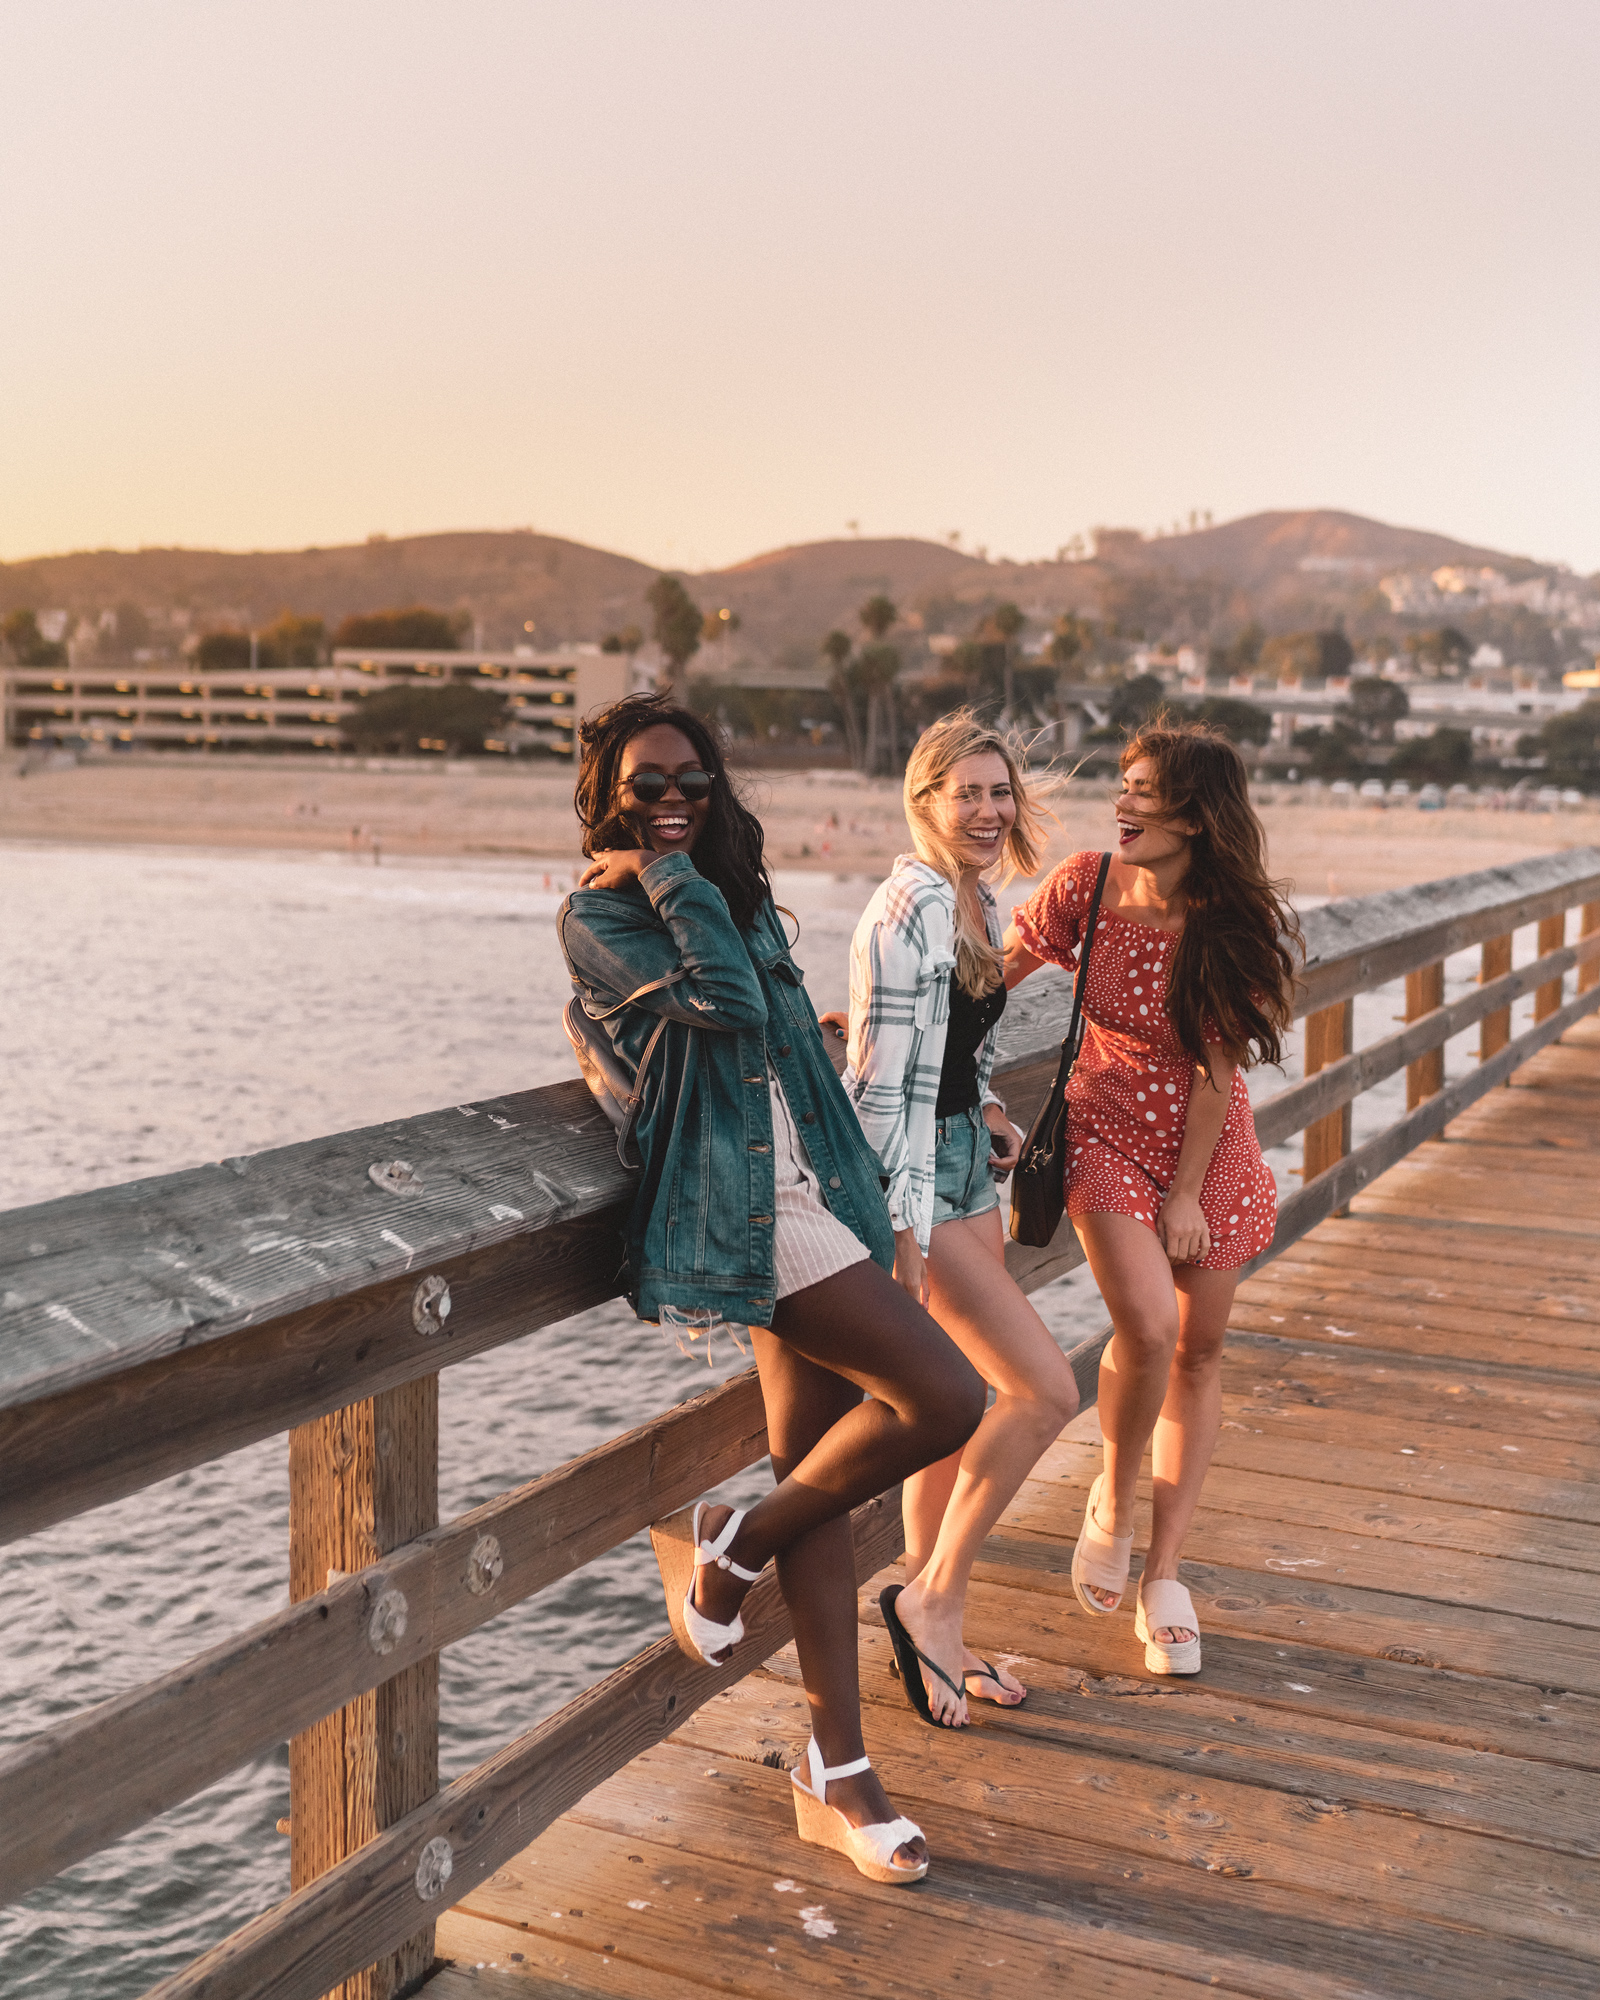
[(693, 280)]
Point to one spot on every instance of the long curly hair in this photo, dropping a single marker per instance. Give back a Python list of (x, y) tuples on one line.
[(938, 750), (1234, 969), (729, 851)]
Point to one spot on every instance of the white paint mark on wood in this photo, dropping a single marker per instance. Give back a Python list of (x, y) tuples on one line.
[(1295, 1562), (399, 1243), (503, 1212), (815, 1920), (67, 1317), (1343, 1333)]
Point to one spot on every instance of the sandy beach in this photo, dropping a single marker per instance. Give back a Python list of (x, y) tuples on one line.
[(827, 820)]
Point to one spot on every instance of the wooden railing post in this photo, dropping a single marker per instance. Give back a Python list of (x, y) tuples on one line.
[(1330, 1034), (1589, 923), (1552, 936), (1424, 992), (362, 1482), (1494, 1031)]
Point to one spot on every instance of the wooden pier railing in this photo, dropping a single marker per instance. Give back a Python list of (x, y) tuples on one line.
[(321, 1288)]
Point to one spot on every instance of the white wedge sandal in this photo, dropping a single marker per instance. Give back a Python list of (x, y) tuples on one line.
[(1165, 1606), (871, 1848), (702, 1638)]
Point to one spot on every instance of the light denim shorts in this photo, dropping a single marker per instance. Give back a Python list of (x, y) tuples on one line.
[(962, 1181)]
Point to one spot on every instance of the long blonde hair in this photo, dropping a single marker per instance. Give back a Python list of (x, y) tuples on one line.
[(939, 749)]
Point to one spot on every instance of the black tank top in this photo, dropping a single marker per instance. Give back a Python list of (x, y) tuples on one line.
[(970, 1021)]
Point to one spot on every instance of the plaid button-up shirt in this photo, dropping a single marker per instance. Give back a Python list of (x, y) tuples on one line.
[(901, 960)]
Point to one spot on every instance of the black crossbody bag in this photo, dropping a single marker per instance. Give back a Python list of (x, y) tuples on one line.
[(1038, 1185)]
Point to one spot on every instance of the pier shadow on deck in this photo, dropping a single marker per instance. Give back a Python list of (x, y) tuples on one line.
[(1383, 1782)]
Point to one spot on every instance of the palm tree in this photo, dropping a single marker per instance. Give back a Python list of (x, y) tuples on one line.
[(1008, 621), (877, 669), (835, 649)]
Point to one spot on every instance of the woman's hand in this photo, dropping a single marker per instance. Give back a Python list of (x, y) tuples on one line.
[(910, 1267), (615, 867), (1006, 1147), (1183, 1230), (839, 1023)]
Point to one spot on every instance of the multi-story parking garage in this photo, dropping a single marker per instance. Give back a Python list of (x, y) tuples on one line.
[(169, 706)]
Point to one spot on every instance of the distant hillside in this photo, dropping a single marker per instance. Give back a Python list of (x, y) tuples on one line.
[(1262, 550), (1286, 569), (568, 590)]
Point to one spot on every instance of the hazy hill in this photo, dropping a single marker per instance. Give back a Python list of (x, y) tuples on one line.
[(568, 590), (1261, 550), (1287, 569)]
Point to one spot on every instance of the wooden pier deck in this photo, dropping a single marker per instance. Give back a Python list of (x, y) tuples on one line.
[(1384, 1781)]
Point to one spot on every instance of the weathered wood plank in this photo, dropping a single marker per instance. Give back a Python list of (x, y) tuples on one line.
[(1335, 1075), (1424, 996), (1357, 943), (361, 1908), (1552, 935), (1329, 1041), (1334, 1188), (1402, 1668), (1301, 1753), (99, 1283), (363, 1481), (242, 1697), (1144, 1859), (718, 1911), (1496, 963)]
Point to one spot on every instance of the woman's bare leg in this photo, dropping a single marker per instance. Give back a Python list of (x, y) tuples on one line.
[(925, 1402), (1191, 1415), (989, 1318), (816, 1574), (1156, 1309), (1136, 1282)]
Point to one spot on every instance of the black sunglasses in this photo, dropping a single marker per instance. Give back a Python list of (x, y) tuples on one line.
[(650, 787)]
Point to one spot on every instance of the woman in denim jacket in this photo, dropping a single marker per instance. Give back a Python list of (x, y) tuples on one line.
[(759, 1203)]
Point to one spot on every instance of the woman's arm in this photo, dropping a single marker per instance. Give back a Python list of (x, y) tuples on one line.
[(1019, 960), (1181, 1224), (884, 971), (615, 945)]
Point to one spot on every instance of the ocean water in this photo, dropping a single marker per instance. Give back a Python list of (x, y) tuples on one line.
[(166, 1007)]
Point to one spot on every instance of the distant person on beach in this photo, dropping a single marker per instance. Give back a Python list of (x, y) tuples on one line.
[(760, 1206), (926, 994), (1190, 980)]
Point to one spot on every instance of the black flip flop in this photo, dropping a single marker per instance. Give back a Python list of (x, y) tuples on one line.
[(910, 1660), (986, 1672)]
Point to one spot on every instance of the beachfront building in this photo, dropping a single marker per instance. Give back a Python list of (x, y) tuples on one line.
[(167, 705)]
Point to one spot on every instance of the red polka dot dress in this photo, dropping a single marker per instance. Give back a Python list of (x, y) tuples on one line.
[(1129, 1093)]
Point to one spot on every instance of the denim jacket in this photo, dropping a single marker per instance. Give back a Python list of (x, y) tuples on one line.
[(700, 1233)]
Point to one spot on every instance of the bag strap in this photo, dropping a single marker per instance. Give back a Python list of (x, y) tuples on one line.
[(638, 993), (1081, 984)]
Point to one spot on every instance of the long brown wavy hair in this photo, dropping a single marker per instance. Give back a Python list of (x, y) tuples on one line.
[(1234, 968)]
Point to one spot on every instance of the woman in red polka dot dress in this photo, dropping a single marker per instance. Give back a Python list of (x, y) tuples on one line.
[(1190, 980)]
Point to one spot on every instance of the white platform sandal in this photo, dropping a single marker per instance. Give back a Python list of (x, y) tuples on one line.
[(1164, 1605), (871, 1848), (1099, 1559), (679, 1558)]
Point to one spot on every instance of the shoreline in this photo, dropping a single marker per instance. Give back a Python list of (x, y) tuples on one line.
[(822, 822)]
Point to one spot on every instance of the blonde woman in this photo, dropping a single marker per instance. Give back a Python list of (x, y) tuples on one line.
[(927, 991)]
